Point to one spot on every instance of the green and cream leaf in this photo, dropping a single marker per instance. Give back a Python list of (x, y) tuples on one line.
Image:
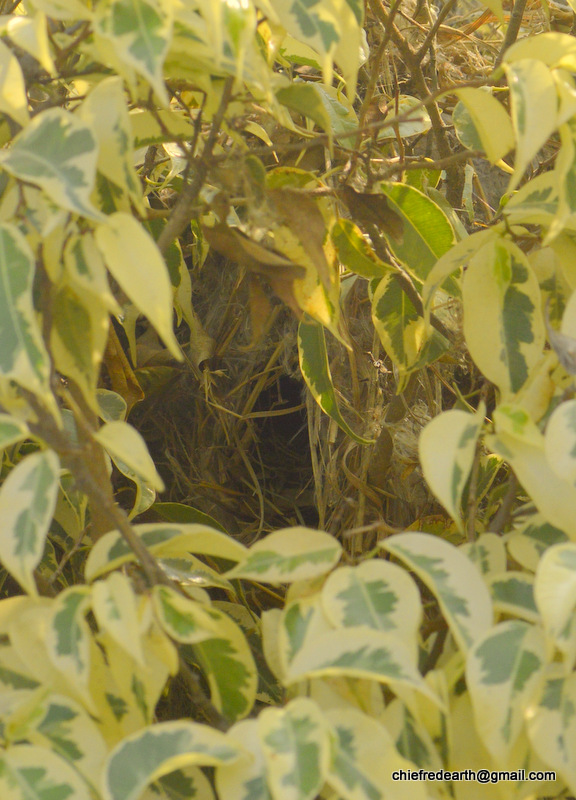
[(457, 583), (27, 503)]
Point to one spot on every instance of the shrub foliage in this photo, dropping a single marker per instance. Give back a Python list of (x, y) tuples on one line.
[(145, 652)]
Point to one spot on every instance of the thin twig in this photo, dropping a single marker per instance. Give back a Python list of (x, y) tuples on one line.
[(472, 504), (442, 14), (182, 212), (513, 29), (504, 513)]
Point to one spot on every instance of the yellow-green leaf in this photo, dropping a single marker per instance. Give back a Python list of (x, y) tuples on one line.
[(354, 252), (288, 555), (105, 111), (447, 447), (115, 607), (163, 540), (555, 594), (316, 372), (27, 502), (534, 102), (402, 331), (134, 260), (12, 430), (521, 444), (13, 101), (490, 120), (123, 441), (184, 620), (79, 357), (426, 231), (23, 356), (68, 635), (359, 653), (503, 324), (245, 779)]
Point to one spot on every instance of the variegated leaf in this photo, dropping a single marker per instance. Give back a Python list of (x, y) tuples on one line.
[(105, 111), (160, 749), (402, 330), (451, 262), (552, 727), (64, 9), (23, 356), (560, 441), (28, 772), (364, 759), (316, 372), (555, 594), (62, 725), (79, 357), (296, 746), (137, 687), (58, 153), (245, 779), (361, 653), (301, 624), (416, 120), (456, 582), (529, 541), (503, 325), (535, 203), (111, 406), (31, 34), (534, 102), (163, 540), (123, 441), (377, 594), (12, 430), (354, 252), (447, 447), (183, 619), (513, 595), (519, 441), (488, 553), (140, 32), (85, 268), (503, 670), (554, 49), (161, 126), (135, 262), (189, 783), (411, 738), (27, 502), (490, 121), (288, 555), (68, 635), (228, 665), (426, 231), (332, 28), (115, 606)]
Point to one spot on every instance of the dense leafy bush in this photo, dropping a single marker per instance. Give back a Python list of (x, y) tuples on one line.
[(144, 650)]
